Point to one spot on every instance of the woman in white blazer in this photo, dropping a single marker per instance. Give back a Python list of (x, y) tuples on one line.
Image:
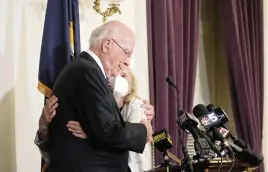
[(132, 112), (125, 92)]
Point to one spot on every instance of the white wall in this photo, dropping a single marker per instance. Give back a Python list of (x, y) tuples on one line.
[(20, 41)]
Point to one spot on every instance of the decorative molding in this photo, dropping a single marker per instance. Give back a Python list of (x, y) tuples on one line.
[(111, 10)]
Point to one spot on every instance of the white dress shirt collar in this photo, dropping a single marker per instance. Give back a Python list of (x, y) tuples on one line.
[(98, 61)]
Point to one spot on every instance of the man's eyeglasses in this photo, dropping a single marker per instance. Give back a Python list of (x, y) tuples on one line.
[(126, 52)]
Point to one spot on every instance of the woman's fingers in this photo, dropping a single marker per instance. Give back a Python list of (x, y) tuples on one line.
[(51, 101), (53, 108)]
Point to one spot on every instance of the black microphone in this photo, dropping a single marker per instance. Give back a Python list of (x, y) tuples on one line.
[(170, 82), (222, 116), (206, 118), (246, 155), (250, 157), (162, 140), (241, 149), (187, 161), (224, 119), (210, 107), (210, 121), (189, 123)]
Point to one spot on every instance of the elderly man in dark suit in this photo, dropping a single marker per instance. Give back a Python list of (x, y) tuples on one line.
[(85, 96)]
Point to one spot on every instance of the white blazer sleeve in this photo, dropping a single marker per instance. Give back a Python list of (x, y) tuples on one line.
[(135, 112)]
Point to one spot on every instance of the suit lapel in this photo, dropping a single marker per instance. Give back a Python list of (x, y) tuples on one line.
[(88, 57)]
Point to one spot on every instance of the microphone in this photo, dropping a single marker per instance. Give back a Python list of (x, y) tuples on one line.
[(246, 155), (249, 157), (210, 107), (210, 121), (220, 112), (207, 119), (187, 160), (224, 132), (189, 123), (162, 140), (224, 119), (170, 82), (241, 149)]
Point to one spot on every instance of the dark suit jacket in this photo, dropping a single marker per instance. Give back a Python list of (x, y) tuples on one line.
[(85, 96)]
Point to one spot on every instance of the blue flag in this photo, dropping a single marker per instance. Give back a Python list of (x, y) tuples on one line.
[(60, 43)]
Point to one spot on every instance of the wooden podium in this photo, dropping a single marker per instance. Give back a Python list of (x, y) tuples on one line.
[(238, 166), (212, 166)]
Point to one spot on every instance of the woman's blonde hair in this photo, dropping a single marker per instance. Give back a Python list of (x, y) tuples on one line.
[(133, 92)]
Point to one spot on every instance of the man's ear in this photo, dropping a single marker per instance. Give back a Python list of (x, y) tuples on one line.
[(105, 45)]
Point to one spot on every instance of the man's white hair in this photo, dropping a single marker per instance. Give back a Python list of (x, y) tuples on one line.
[(99, 34)]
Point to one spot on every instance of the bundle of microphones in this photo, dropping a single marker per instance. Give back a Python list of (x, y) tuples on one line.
[(216, 135), (211, 136)]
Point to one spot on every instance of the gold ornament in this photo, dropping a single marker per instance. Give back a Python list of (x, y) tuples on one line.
[(113, 8)]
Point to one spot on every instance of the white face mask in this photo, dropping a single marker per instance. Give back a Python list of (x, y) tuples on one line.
[(120, 86)]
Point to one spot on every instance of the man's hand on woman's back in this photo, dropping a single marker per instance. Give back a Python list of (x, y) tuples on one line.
[(149, 110), (49, 111), (76, 129)]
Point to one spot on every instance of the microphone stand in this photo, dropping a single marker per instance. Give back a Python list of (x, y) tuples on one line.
[(187, 160), (166, 160), (187, 164)]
